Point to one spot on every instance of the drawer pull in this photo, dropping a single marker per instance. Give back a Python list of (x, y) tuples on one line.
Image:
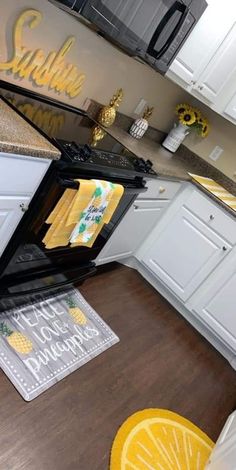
[(212, 217), (224, 248), (136, 207), (162, 189)]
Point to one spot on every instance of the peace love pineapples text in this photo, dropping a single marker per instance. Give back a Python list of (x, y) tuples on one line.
[(47, 334)]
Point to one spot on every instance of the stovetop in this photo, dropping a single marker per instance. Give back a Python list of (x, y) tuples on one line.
[(86, 154), (71, 130)]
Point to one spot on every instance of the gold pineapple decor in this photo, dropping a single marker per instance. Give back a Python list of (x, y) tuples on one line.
[(75, 312), (107, 114), (106, 117), (17, 340)]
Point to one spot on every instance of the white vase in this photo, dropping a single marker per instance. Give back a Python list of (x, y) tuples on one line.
[(138, 128), (175, 137)]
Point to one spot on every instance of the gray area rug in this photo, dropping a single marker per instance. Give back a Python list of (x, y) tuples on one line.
[(44, 341)]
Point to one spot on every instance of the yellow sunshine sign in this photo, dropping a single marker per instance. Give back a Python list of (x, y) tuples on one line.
[(43, 69)]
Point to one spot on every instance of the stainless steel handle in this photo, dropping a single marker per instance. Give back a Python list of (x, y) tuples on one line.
[(162, 189), (23, 207), (224, 248), (212, 217)]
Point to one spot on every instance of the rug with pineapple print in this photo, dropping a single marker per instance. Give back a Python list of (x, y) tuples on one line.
[(48, 338)]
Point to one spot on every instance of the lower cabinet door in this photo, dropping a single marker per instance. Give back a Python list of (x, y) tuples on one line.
[(184, 253), (132, 230), (11, 210), (217, 306)]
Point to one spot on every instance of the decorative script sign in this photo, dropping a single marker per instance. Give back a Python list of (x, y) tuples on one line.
[(37, 66)]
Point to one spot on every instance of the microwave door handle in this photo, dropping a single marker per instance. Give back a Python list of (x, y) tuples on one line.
[(177, 6)]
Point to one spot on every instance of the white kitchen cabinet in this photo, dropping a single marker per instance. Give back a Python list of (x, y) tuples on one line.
[(189, 245), (11, 211), (201, 45), (219, 76), (20, 177), (215, 305), (132, 230), (206, 65)]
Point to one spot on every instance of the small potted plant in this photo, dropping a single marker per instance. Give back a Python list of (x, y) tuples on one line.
[(189, 118)]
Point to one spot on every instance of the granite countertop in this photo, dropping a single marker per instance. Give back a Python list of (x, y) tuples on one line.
[(19, 137), (174, 166)]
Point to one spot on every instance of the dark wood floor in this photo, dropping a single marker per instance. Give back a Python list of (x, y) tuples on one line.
[(161, 361)]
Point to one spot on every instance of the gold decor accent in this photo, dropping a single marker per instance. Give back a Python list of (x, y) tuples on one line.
[(148, 112), (97, 134), (107, 114), (36, 66)]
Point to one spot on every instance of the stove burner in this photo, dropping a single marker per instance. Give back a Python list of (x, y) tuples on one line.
[(84, 153)]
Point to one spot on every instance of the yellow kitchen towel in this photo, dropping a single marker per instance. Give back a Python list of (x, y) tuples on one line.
[(58, 234), (114, 200), (216, 189), (80, 214), (99, 210)]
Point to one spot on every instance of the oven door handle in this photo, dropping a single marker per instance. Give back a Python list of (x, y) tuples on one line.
[(57, 285), (177, 6), (72, 184)]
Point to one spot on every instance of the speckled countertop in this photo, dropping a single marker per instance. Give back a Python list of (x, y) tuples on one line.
[(19, 137), (174, 166)]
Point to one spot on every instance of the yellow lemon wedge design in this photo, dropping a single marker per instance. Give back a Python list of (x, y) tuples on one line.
[(155, 439)]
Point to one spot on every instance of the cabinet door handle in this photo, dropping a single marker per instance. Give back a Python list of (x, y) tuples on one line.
[(224, 248), (212, 217), (200, 87), (162, 189), (193, 82), (135, 207), (23, 207)]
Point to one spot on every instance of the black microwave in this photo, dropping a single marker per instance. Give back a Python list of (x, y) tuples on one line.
[(152, 30)]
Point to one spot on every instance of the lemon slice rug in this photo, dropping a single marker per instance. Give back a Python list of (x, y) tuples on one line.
[(155, 439)]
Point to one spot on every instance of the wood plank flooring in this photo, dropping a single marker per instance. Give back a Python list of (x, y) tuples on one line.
[(161, 361)]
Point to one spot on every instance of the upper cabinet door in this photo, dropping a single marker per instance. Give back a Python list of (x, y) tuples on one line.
[(215, 82), (185, 253), (201, 45)]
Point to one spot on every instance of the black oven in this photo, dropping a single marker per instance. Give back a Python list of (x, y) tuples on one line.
[(153, 30), (26, 266)]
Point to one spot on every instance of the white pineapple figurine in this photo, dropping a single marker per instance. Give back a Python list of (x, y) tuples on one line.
[(140, 126)]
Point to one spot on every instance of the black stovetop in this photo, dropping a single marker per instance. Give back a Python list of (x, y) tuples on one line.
[(70, 129)]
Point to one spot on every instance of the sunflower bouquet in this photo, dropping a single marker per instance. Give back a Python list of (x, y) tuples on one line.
[(193, 119)]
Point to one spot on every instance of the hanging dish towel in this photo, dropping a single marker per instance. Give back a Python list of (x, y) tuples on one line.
[(80, 215), (114, 195), (91, 217)]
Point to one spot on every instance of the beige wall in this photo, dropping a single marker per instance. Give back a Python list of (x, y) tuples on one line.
[(106, 69)]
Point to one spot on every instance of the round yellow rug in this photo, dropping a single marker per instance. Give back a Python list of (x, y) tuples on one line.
[(156, 439)]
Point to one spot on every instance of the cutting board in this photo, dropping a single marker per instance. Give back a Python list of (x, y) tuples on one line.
[(216, 189)]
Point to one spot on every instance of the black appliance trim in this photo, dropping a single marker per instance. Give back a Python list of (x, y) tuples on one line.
[(90, 271), (177, 6)]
